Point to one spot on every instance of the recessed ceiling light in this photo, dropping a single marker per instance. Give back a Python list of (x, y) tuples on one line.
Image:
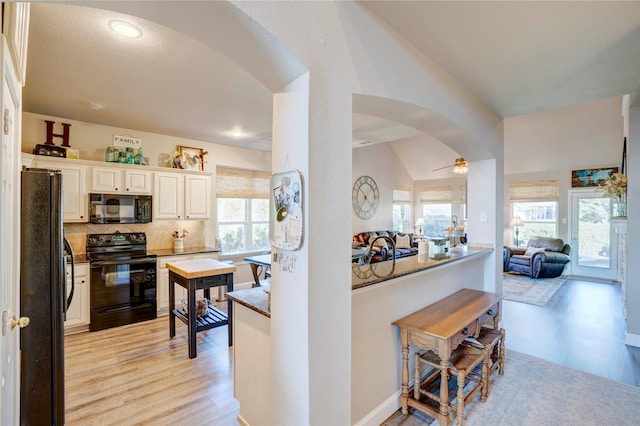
[(95, 105), (125, 29), (236, 133)]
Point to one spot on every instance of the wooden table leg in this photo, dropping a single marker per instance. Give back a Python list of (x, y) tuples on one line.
[(444, 391), (404, 397), (191, 323), (256, 277), (172, 305), (460, 399), (230, 309)]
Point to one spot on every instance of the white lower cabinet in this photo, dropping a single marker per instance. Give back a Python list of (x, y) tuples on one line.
[(162, 280), (78, 312)]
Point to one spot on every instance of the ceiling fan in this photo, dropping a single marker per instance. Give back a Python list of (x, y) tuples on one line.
[(460, 167)]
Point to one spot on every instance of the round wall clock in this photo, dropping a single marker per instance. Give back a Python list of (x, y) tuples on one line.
[(365, 197)]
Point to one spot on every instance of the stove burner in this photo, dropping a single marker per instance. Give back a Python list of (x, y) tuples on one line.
[(118, 245)]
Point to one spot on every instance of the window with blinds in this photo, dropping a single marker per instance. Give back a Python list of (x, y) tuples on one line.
[(240, 183), (401, 209), (545, 190), (243, 209), (536, 204), (436, 209), (435, 195)]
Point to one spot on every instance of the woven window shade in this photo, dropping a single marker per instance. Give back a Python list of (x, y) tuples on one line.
[(239, 183), (436, 194), (544, 190), (401, 195)]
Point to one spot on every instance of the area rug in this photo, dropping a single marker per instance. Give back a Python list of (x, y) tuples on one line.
[(536, 392), (521, 288)]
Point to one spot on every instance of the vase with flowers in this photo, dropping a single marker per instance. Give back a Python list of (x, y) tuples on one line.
[(616, 188)]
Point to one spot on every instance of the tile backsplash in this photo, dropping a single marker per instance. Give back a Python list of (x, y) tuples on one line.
[(159, 233)]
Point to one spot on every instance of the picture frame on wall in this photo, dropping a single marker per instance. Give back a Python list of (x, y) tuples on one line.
[(591, 177), (191, 158)]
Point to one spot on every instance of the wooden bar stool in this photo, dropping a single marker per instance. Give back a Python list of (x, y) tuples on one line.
[(462, 365), (492, 342)]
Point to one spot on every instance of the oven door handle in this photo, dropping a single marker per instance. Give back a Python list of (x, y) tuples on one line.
[(122, 262)]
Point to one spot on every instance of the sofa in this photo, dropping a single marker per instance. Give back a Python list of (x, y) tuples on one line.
[(382, 250), (543, 257)]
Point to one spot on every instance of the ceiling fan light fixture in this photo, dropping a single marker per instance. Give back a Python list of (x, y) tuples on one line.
[(125, 29), (460, 167)]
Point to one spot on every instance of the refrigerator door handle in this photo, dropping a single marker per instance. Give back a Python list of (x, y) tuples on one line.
[(67, 247)]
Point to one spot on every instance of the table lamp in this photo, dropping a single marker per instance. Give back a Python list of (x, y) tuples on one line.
[(419, 225), (516, 221)]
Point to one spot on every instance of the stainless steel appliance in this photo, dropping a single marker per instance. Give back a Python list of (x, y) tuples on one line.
[(123, 279), (119, 208), (42, 298)]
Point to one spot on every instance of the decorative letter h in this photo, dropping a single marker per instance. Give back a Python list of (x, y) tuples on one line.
[(64, 135)]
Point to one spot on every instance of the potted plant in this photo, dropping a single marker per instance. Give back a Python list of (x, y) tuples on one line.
[(616, 188)]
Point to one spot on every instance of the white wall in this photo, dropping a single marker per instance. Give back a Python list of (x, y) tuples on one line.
[(92, 141), (381, 163), (633, 218), (289, 295), (550, 144), (572, 138)]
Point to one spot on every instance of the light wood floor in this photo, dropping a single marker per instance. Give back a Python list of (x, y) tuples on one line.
[(136, 375)]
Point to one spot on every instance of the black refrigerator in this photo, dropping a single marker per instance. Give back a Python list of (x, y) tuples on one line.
[(43, 298)]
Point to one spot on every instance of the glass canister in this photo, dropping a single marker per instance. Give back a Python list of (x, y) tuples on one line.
[(122, 158), (110, 156), (129, 154), (138, 157)]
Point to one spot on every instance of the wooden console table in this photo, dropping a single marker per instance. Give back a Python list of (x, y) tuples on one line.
[(441, 327), (199, 274)]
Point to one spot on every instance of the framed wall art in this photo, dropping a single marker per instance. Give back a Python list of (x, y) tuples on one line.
[(591, 177), (285, 210), (191, 158)]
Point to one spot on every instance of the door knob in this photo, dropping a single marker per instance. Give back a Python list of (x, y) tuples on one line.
[(21, 322)]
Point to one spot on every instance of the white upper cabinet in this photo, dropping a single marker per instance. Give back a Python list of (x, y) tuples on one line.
[(138, 181), (181, 196), (74, 188), (168, 196), (116, 180), (196, 196)]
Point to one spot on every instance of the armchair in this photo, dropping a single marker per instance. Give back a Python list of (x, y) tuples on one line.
[(543, 257)]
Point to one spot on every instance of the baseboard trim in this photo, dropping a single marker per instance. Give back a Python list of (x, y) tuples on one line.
[(382, 412), (632, 339), (591, 279)]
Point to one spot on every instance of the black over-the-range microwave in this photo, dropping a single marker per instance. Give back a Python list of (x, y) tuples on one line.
[(117, 208)]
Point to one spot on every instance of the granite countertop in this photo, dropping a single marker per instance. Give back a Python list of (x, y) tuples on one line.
[(375, 273), (255, 299), (187, 250)]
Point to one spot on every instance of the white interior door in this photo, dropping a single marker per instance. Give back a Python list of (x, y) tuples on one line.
[(9, 240), (594, 246)]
